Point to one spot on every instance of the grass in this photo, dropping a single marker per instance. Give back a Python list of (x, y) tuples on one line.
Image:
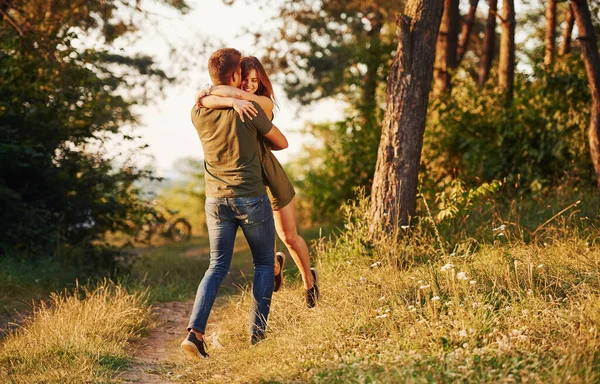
[(76, 337), (504, 310), (488, 296)]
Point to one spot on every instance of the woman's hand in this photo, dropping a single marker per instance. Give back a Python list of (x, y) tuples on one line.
[(244, 107), (205, 91)]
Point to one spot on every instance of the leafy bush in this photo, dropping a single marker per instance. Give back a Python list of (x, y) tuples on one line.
[(538, 142)]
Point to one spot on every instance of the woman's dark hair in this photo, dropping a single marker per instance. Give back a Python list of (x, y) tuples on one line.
[(265, 88)]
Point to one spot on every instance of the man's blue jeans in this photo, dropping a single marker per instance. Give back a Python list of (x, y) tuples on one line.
[(223, 217)]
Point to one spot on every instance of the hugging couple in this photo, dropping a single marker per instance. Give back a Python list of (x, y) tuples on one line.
[(245, 187)]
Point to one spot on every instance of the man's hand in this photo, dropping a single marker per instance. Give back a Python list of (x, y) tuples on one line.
[(244, 107)]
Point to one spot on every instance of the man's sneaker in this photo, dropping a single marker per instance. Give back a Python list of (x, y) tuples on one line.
[(194, 348), (256, 338), (312, 294), (280, 259)]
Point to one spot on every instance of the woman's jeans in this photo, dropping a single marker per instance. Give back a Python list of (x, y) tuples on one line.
[(223, 217)]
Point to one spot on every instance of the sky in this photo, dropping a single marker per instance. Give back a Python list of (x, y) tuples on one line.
[(165, 124)]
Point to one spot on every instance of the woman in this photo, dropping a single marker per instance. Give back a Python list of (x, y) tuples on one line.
[(256, 87)]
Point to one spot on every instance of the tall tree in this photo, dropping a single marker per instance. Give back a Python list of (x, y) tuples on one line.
[(567, 32), (489, 43), (465, 33), (394, 192), (59, 190), (506, 60), (446, 47), (589, 52), (550, 36)]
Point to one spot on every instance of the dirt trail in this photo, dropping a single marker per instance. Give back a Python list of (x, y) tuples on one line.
[(156, 354)]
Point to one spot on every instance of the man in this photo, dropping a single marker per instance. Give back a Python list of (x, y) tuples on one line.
[(235, 196)]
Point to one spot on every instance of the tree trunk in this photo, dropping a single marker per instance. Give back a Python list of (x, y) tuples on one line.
[(565, 48), (445, 57), (550, 39), (589, 52), (394, 193), (489, 41), (465, 34), (506, 61)]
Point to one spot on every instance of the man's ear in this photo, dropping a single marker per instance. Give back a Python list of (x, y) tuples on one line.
[(236, 77)]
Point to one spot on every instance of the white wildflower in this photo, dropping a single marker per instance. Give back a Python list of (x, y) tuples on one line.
[(435, 298), (472, 282), (447, 267), (500, 228), (540, 266), (382, 316), (381, 298), (462, 276), (453, 254), (500, 234), (376, 264), (405, 227), (425, 286), (412, 308), (463, 333)]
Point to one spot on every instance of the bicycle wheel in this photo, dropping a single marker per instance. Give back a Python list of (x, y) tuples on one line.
[(180, 230)]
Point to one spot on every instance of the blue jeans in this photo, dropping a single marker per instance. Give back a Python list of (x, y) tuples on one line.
[(223, 217)]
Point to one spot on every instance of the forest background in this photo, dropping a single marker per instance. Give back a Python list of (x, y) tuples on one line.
[(506, 139)]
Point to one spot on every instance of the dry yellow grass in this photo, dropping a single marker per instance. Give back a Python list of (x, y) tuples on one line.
[(76, 337), (412, 311), (405, 312)]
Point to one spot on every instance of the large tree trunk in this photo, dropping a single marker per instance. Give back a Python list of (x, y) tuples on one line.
[(589, 52), (565, 48), (394, 193), (489, 41), (447, 42), (550, 38), (506, 61), (465, 33)]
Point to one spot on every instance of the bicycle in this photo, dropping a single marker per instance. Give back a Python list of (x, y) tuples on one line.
[(173, 228)]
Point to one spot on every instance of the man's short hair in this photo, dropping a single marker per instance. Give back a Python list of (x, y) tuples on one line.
[(222, 64)]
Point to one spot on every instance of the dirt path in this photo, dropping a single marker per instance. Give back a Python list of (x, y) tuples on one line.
[(156, 354)]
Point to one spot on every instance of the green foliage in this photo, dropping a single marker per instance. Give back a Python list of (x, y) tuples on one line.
[(345, 162), (59, 106), (338, 48), (457, 199), (538, 142)]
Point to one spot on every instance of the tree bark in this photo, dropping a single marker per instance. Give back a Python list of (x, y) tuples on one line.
[(550, 38), (446, 48), (589, 52), (394, 192), (565, 48), (506, 61), (465, 33), (489, 41)]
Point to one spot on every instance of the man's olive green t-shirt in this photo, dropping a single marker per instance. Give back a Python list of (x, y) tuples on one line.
[(231, 160)]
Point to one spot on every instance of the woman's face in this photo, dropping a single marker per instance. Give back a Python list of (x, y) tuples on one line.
[(250, 83)]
